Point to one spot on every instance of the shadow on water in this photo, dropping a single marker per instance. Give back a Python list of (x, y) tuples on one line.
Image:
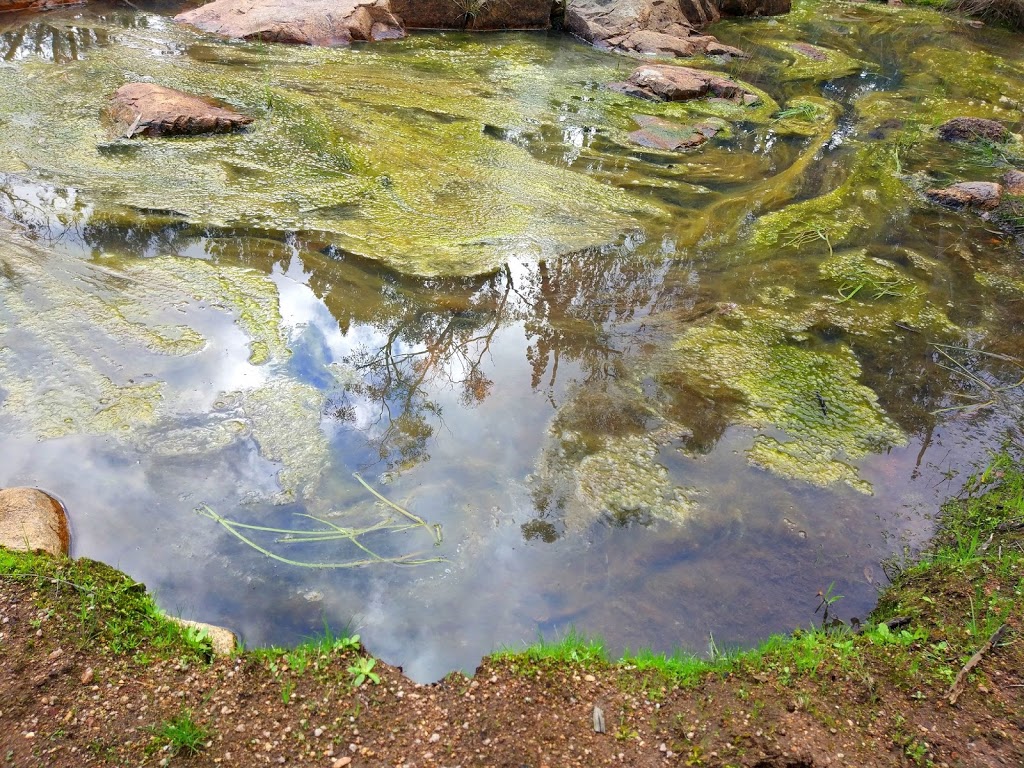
[(756, 370)]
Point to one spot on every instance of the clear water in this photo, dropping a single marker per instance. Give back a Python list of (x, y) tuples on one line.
[(657, 397)]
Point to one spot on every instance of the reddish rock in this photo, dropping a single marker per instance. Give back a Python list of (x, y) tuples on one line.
[(450, 14), (972, 129), (1013, 183), (660, 27), (665, 82), (301, 22), (656, 133), (144, 109), (9, 6), (983, 195), (32, 520)]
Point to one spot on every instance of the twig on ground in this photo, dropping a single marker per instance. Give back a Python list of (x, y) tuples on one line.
[(958, 685)]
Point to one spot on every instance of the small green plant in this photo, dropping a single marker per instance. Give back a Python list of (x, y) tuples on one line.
[(287, 687), (803, 111), (362, 670), (828, 599), (346, 643), (182, 734)]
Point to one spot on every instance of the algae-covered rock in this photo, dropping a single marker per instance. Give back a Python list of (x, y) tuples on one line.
[(815, 62), (972, 129), (814, 418), (656, 133)]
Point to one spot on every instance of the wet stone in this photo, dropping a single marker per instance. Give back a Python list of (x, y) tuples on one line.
[(969, 194), (656, 133), (973, 129), (144, 109), (666, 82), (1013, 183)]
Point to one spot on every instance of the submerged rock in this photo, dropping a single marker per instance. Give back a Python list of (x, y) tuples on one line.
[(32, 520), (1013, 183), (968, 194), (479, 15), (815, 62), (303, 22), (754, 7), (973, 129), (662, 27), (665, 82), (656, 133), (144, 109)]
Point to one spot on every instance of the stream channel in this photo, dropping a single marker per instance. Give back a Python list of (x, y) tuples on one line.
[(661, 397)]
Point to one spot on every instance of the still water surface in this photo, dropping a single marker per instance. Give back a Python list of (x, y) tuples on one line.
[(624, 397)]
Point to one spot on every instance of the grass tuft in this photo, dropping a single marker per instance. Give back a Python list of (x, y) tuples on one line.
[(182, 734)]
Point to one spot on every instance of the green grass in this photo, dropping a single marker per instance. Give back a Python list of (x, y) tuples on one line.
[(182, 734), (109, 609)]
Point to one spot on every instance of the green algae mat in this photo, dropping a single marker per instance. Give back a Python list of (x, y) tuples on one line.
[(436, 324)]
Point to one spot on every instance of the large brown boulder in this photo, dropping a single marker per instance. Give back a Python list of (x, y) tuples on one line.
[(144, 109), (32, 520), (660, 27), (302, 22), (473, 14), (667, 82)]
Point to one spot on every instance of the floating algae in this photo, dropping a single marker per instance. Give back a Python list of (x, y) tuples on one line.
[(601, 461), (625, 482), (391, 157), (114, 302), (824, 417), (250, 296), (285, 418), (873, 184)]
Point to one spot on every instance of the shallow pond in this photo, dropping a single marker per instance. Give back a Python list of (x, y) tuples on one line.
[(435, 325)]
